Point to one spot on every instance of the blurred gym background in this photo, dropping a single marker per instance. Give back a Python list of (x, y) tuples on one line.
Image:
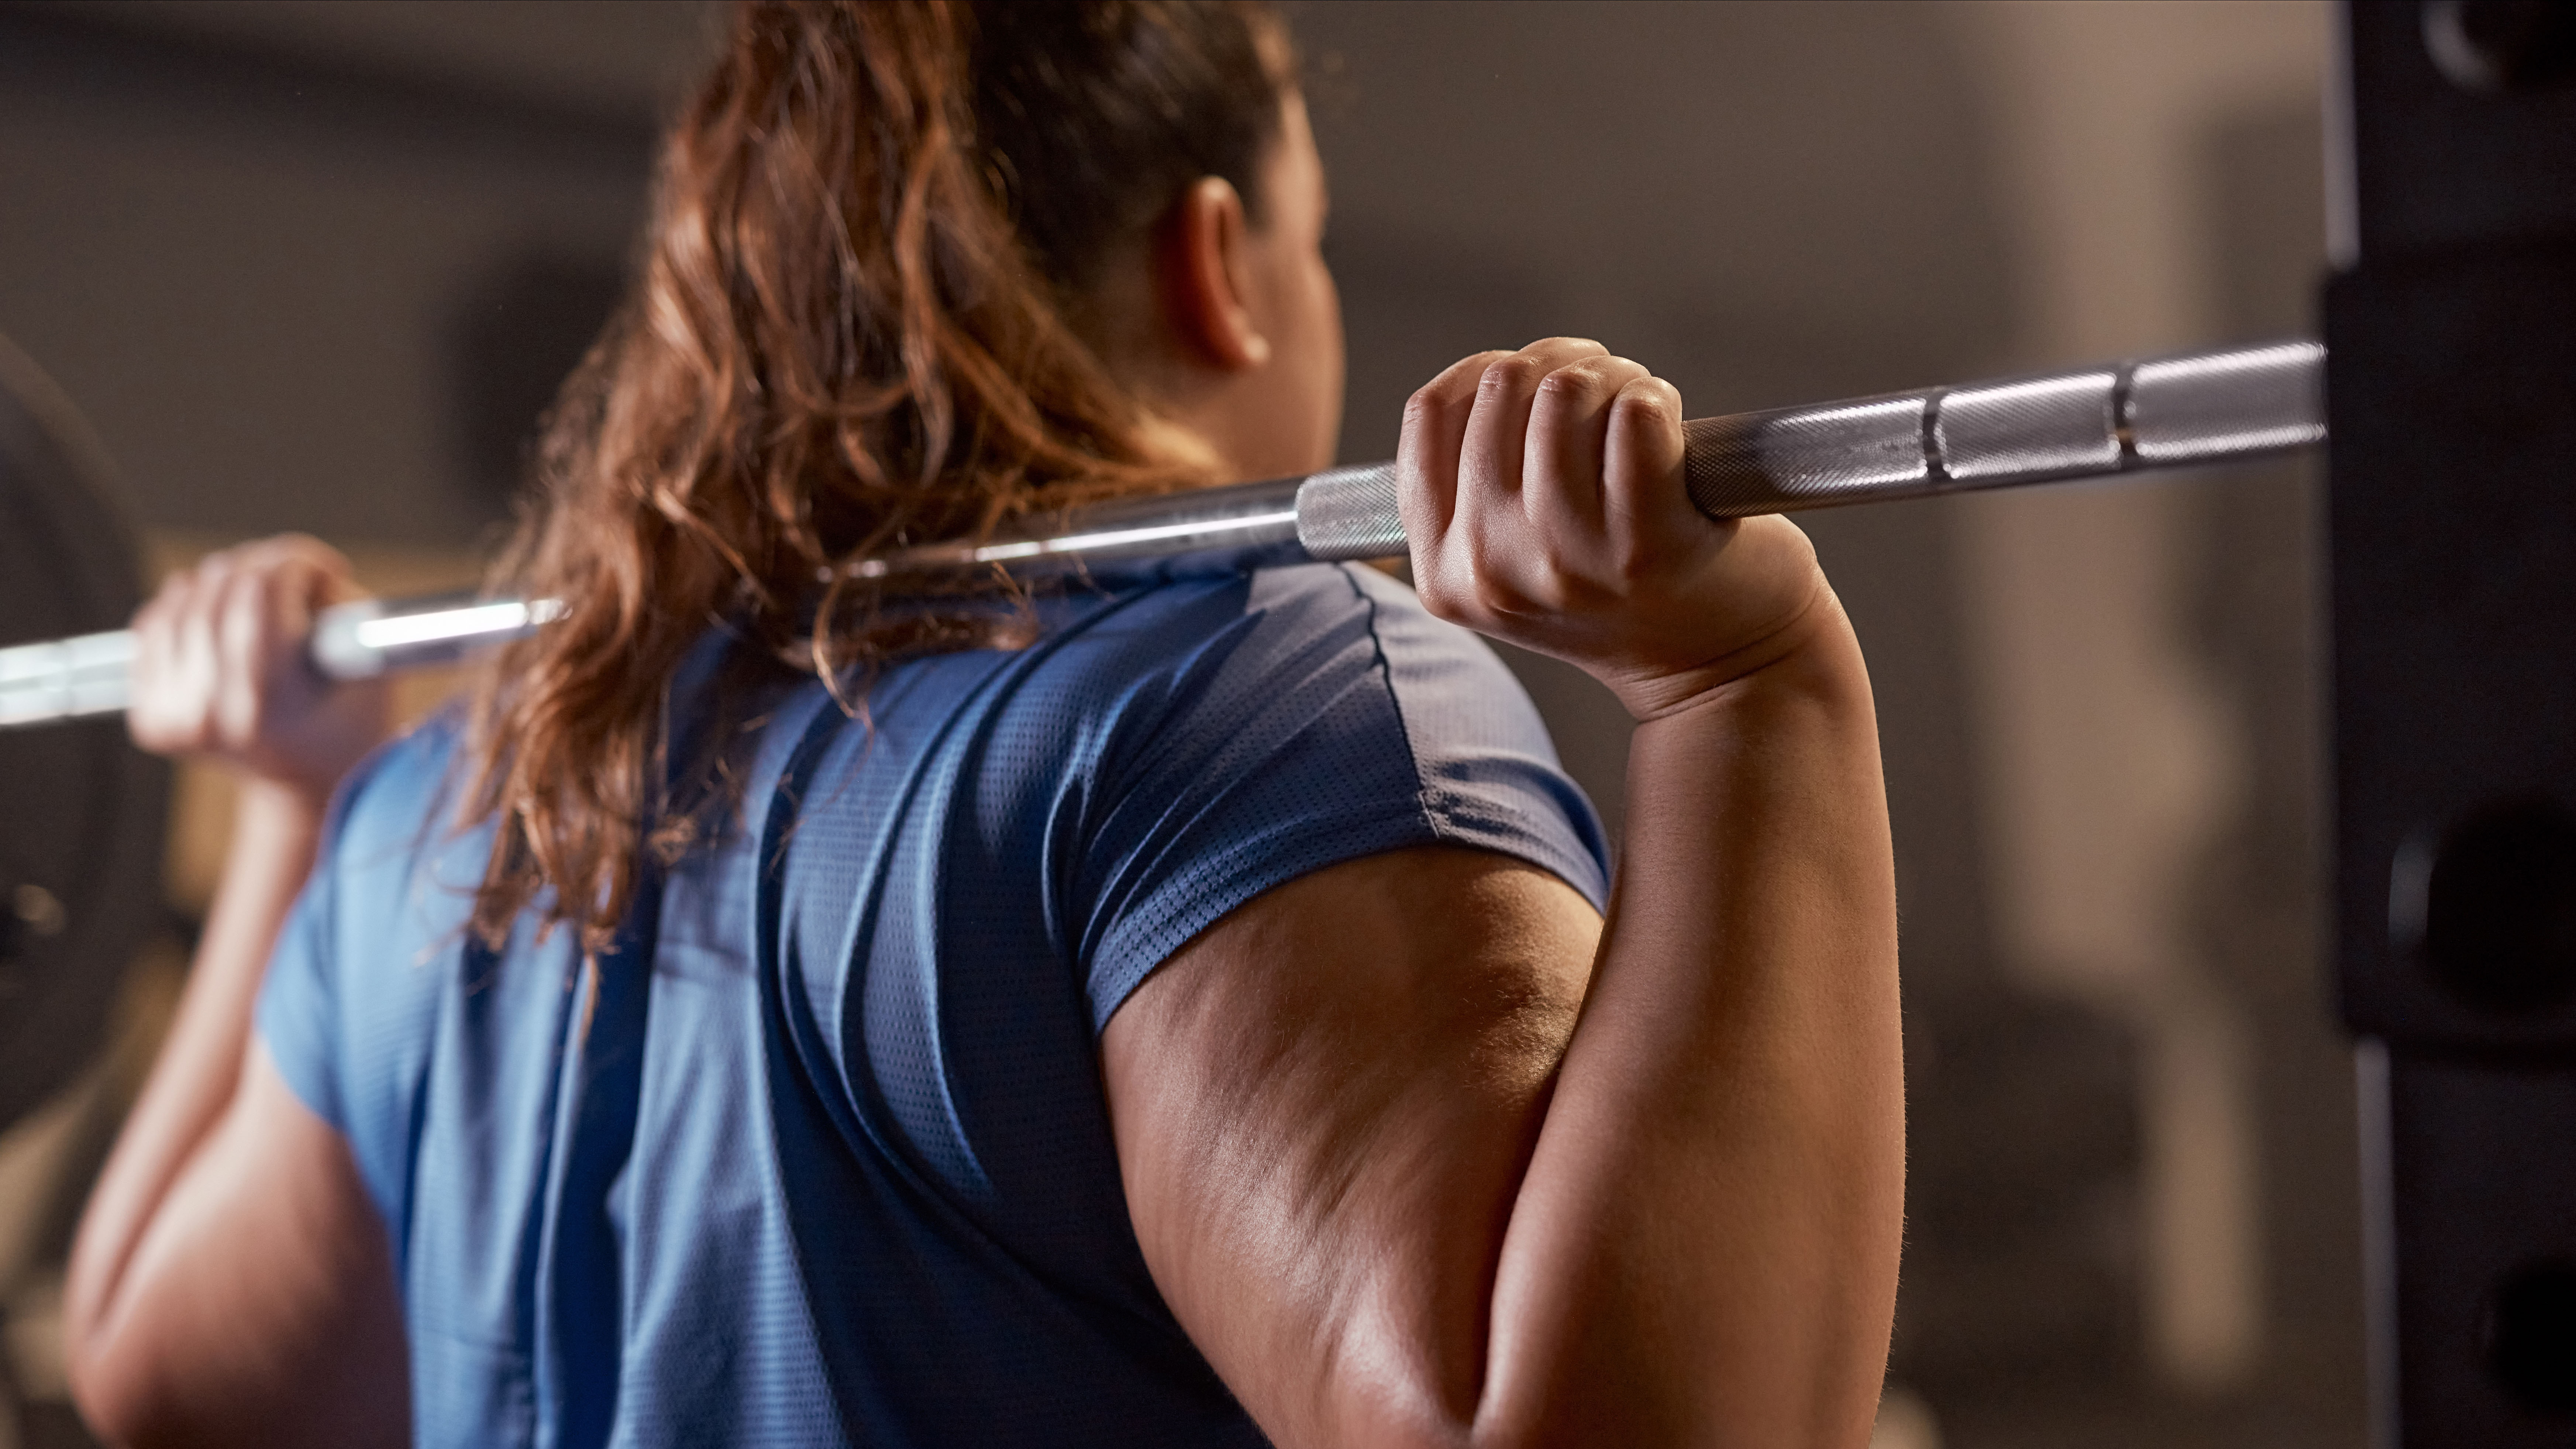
[(318, 265)]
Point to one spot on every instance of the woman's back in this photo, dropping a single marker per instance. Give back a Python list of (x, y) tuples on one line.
[(824, 1135)]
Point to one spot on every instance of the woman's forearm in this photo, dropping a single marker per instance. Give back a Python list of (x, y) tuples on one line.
[(276, 832), (1704, 1246)]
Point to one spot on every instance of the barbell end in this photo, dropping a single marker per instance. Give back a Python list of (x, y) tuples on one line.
[(59, 679), (2194, 408)]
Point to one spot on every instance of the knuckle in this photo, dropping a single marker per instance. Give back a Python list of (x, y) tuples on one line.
[(1440, 590), (1519, 372), (1618, 373), (1501, 598), (1456, 382), (1489, 583), (1579, 384), (1428, 405), (1650, 394), (1633, 559), (1436, 598)]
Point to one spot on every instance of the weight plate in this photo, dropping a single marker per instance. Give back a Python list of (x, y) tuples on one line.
[(81, 810)]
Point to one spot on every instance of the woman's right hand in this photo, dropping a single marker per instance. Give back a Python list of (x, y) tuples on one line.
[(1542, 492), (220, 670)]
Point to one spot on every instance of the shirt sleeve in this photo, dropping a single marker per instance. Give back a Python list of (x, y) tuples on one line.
[(356, 894), (1335, 719)]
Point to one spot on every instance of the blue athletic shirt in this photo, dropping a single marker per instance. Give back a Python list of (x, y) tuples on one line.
[(818, 1152)]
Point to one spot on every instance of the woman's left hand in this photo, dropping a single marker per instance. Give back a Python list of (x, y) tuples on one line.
[(1542, 494)]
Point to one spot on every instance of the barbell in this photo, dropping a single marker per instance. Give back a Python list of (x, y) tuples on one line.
[(2188, 409)]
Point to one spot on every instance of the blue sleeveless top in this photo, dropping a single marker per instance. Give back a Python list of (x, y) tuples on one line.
[(818, 1153)]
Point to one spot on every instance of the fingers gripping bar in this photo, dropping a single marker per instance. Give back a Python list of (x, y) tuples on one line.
[(2216, 406)]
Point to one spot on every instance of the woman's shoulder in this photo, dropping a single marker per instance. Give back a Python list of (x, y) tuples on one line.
[(1230, 736), (403, 781), (1275, 627), (1191, 664), (394, 824), (1323, 680)]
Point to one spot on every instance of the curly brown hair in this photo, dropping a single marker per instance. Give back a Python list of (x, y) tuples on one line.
[(857, 324)]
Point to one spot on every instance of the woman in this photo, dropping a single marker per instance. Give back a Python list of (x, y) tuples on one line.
[(1146, 1012)]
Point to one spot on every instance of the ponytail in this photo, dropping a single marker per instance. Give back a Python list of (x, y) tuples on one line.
[(851, 331)]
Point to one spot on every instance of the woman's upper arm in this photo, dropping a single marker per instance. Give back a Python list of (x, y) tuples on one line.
[(264, 1307), (1324, 1104)]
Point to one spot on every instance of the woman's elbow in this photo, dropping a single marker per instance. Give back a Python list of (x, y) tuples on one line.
[(112, 1392)]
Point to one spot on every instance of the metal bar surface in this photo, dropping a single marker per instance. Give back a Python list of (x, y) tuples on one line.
[(2191, 409)]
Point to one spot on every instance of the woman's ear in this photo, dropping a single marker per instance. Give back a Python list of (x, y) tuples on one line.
[(1203, 270)]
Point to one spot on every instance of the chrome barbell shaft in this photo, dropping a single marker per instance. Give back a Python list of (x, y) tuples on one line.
[(2196, 408)]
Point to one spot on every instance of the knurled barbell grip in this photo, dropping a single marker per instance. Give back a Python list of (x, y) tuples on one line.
[(2195, 407)]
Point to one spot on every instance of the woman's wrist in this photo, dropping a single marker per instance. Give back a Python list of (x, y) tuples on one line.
[(1816, 661), (272, 806)]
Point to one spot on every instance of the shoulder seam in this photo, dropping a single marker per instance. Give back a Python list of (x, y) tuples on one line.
[(1425, 799)]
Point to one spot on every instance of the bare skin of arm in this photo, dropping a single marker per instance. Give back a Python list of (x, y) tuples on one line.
[(232, 1282), (1419, 1151)]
